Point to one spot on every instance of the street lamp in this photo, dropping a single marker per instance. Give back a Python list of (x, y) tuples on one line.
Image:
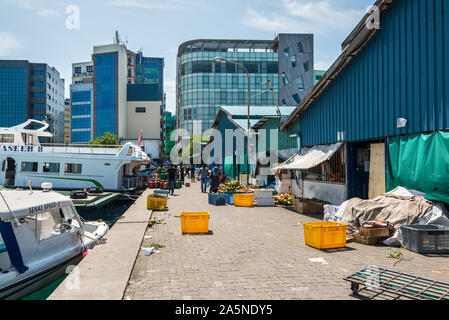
[(223, 60)]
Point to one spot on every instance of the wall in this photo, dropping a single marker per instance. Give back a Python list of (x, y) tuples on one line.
[(401, 72), (336, 194), (149, 122)]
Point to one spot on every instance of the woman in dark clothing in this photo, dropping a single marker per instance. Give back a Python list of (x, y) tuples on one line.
[(215, 179)]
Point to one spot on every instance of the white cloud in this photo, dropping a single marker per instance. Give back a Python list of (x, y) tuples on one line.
[(146, 4), (8, 44), (37, 6), (322, 65), (305, 16)]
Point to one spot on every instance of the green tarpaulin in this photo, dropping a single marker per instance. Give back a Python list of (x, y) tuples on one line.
[(231, 166), (420, 162)]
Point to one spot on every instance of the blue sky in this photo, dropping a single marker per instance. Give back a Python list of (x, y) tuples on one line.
[(36, 30)]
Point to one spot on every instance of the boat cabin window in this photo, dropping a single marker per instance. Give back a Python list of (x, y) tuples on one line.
[(74, 168), (29, 166), (4, 165), (51, 167), (6, 138), (67, 213)]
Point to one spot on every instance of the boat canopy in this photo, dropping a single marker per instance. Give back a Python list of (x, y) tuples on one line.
[(308, 157), (26, 203)]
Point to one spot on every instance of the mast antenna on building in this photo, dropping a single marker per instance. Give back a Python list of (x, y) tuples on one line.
[(117, 38)]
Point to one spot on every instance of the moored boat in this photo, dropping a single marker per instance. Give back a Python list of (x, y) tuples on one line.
[(42, 238), (68, 167)]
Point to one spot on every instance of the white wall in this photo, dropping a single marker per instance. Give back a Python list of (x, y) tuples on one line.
[(336, 194)]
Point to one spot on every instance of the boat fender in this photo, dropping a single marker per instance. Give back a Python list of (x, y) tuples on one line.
[(78, 194), (85, 253)]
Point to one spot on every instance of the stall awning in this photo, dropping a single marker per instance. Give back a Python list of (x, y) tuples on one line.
[(308, 158)]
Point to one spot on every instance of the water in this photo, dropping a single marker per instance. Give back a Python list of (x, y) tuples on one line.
[(109, 214)]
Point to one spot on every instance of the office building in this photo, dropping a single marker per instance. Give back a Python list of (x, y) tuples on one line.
[(204, 85), (31, 91), (67, 121)]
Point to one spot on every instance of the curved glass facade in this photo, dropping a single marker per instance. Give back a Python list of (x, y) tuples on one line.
[(205, 85)]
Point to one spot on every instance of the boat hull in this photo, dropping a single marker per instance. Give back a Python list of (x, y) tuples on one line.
[(37, 281)]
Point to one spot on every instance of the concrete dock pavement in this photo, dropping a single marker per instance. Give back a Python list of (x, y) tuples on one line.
[(251, 254), (104, 273), (254, 254)]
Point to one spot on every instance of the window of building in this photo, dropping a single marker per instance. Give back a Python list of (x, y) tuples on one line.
[(306, 66), (300, 48), (273, 67), (6, 138), (73, 168), (286, 52), (252, 67), (38, 73), (201, 67), (284, 103), (130, 73), (284, 78), (90, 69), (77, 70), (300, 83), (39, 84), (296, 98), (51, 167), (293, 61), (141, 109), (29, 166)]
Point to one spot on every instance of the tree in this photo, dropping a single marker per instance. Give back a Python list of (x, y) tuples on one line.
[(107, 139)]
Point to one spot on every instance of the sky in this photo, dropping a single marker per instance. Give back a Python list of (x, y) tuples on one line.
[(36, 30)]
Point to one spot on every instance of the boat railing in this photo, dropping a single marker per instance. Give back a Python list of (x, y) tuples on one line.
[(81, 148)]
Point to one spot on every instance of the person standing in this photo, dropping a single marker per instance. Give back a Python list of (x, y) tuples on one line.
[(182, 174), (204, 173), (171, 179), (193, 174), (215, 179)]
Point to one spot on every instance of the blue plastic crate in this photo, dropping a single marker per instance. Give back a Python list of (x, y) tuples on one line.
[(229, 198), (217, 199)]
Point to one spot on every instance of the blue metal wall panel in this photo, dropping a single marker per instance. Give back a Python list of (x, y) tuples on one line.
[(402, 72)]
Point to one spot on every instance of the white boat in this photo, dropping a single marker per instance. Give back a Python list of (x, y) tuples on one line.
[(41, 238), (67, 167)]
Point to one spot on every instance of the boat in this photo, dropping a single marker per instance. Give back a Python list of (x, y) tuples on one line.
[(42, 238), (68, 167)]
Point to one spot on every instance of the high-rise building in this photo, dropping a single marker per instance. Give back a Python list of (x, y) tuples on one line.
[(67, 121), (100, 91), (170, 125), (204, 85), (31, 91), (81, 95), (317, 75)]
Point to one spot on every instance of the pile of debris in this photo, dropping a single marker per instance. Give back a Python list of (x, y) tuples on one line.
[(379, 220)]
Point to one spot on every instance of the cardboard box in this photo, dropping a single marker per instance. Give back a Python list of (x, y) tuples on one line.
[(308, 207), (375, 232), (366, 240)]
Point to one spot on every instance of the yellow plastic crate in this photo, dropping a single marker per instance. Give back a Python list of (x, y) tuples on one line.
[(195, 222), (325, 234), (243, 200), (157, 204)]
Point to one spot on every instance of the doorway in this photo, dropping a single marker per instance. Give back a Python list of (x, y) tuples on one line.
[(10, 176), (358, 163)]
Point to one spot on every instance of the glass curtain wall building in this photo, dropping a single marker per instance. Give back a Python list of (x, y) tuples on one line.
[(81, 113), (203, 85), (31, 91), (105, 111)]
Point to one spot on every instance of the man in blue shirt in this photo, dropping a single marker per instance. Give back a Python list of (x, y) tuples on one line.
[(204, 174)]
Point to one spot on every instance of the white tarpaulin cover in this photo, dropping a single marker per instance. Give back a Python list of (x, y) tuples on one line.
[(308, 158)]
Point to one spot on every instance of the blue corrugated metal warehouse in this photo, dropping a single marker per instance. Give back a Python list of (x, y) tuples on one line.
[(389, 87)]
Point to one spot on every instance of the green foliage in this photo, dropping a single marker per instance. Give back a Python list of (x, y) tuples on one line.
[(107, 139)]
